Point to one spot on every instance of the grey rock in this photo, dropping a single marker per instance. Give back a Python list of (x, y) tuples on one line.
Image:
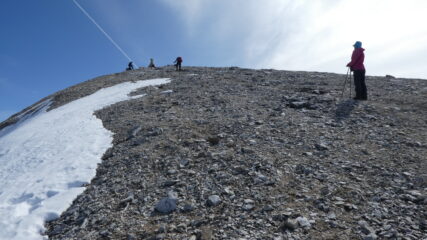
[(248, 207), (371, 236), (187, 207), (166, 205), (104, 233), (183, 162), (332, 216), (290, 224), (321, 147), (303, 222), (365, 228), (214, 200), (267, 208), (131, 237), (299, 104), (169, 183)]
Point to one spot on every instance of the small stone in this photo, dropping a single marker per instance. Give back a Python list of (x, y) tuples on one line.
[(248, 207), (187, 208), (214, 140), (303, 222), (131, 237), (206, 233), (365, 228), (213, 200), (331, 216), (169, 183), (162, 228), (423, 224), (300, 169), (166, 205), (183, 162), (104, 233), (339, 199), (371, 236), (268, 208), (260, 179), (129, 198), (160, 236), (228, 191), (290, 224), (57, 229), (321, 147), (308, 154), (299, 104), (387, 227), (173, 195)]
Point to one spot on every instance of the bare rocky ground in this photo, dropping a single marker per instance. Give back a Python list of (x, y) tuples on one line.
[(231, 153)]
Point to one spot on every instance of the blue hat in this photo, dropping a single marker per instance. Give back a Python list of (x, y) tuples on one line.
[(358, 44)]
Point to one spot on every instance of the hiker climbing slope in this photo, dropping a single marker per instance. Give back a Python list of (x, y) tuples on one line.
[(178, 62), (356, 65), (151, 65), (130, 66)]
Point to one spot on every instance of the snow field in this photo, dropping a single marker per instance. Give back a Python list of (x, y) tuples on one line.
[(46, 157)]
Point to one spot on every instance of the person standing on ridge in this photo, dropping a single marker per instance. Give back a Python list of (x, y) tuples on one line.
[(151, 65), (178, 62), (358, 69), (130, 66)]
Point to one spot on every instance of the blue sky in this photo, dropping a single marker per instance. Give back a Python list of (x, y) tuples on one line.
[(47, 45)]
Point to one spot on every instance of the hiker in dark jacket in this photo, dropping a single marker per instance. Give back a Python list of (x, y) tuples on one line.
[(356, 65), (178, 62), (151, 65), (130, 66)]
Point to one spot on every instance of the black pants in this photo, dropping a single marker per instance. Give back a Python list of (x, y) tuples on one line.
[(178, 66), (359, 84)]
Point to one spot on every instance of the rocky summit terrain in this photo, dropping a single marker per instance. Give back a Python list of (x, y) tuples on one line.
[(231, 153)]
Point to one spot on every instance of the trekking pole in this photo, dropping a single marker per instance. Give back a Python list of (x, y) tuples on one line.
[(350, 83), (345, 82)]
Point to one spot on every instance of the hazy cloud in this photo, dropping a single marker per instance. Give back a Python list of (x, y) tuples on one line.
[(316, 35), (190, 11), (285, 34)]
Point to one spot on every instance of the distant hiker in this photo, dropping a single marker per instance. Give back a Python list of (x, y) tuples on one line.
[(178, 62), (356, 65), (130, 66), (151, 65)]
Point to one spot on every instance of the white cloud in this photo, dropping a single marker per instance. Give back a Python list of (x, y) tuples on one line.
[(316, 35), (282, 34), (191, 11)]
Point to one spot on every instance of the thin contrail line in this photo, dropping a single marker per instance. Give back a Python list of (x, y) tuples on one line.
[(102, 30)]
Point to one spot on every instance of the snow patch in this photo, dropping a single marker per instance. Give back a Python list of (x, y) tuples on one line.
[(167, 91), (46, 158)]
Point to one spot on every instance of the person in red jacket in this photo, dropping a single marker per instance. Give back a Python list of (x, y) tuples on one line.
[(358, 69)]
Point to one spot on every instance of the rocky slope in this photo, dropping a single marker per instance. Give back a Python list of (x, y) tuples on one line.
[(231, 153)]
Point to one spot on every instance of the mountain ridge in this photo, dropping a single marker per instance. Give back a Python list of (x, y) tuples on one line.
[(254, 154)]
